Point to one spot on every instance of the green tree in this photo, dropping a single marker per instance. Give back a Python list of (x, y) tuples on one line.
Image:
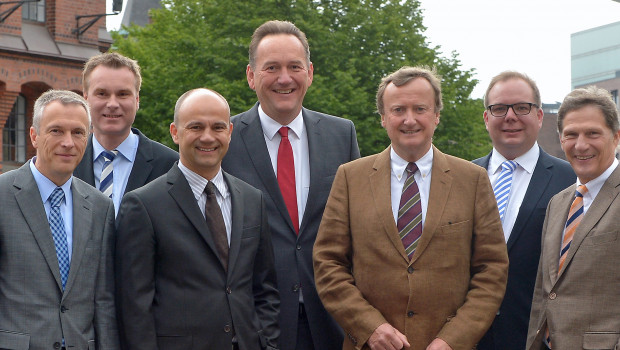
[(354, 43)]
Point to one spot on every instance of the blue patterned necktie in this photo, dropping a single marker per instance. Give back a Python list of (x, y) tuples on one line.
[(503, 185), (409, 221), (106, 183), (57, 225)]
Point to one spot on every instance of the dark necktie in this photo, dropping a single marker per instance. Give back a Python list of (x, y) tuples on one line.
[(410, 213), (215, 222), (57, 226), (106, 183), (286, 176)]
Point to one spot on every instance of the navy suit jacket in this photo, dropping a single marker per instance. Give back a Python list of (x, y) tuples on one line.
[(509, 329), (331, 142), (152, 161)]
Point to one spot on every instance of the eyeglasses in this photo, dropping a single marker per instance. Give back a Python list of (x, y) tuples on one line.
[(521, 108)]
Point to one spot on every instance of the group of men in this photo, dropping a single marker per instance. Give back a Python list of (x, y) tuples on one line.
[(265, 230)]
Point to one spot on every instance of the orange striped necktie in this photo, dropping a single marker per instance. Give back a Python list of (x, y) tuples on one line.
[(574, 218)]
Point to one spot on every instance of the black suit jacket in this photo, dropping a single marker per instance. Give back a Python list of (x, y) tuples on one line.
[(173, 292), (331, 141), (509, 329), (152, 161)]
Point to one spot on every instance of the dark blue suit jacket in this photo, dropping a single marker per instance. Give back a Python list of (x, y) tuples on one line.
[(331, 141), (509, 329)]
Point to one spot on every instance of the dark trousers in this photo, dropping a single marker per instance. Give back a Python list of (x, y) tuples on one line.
[(304, 338)]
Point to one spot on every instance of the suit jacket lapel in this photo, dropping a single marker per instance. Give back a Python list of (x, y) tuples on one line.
[(84, 170), (381, 195), (183, 196), (141, 168), (237, 210), (28, 198), (441, 185), (254, 142), (539, 181), (82, 217), (553, 234), (317, 167), (598, 208)]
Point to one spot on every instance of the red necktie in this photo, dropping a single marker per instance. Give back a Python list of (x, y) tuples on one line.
[(286, 176)]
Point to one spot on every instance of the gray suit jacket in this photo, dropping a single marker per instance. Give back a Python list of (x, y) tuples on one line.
[(152, 161), (509, 329), (332, 141), (173, 292), (581, 304), (35, 314)]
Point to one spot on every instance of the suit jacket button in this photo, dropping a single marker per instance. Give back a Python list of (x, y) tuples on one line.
[(296, 288), (410, 314), (298, 246), (63, 309), (552, 295), (410, 269), (228, 290), (56, 345), (227, 328)]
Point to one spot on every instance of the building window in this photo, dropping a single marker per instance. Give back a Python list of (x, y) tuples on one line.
[(34, 11), (14, 133)]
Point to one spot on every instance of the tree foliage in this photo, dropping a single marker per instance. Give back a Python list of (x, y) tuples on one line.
[(354, 43)]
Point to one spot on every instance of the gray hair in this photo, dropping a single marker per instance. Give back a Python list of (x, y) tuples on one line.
[(275, 28), (63, 96), (406, 74), (590, 96)]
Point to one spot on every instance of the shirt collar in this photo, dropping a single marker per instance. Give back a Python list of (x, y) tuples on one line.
[(527, 160), (595, 185), (271, 127), (126, 148), (45, 185), (399, 165), (198, 183)]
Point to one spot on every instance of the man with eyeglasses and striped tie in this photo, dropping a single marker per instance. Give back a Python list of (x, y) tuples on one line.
[(524, 178), (576, 298), (410, 252)]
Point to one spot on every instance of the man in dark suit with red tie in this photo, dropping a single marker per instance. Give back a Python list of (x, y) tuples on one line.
[(291, 154)]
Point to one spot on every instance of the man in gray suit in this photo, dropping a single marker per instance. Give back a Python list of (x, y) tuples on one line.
[(513, 117), (56, 240), (186, 283), (576, 301), (291, 154), (112, 89)]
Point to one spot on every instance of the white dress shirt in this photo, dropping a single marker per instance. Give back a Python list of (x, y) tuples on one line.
[(521, 176), (298, 137), (422, 178), (198, 183), (122, 165)]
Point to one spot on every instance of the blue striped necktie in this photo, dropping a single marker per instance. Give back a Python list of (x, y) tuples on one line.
[(106, 182), (409, 222), (503, 185), (57, 226)]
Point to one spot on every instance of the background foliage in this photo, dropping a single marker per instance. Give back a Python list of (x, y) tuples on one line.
[(353, 43)]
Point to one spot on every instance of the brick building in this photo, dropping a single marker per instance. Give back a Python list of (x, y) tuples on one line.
[(42, 48)]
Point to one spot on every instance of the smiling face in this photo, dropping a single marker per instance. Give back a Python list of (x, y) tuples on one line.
[(513, 135), (281, 76), (589, 144), (202, 131), (60, 141), (113, 101), (409, 117)]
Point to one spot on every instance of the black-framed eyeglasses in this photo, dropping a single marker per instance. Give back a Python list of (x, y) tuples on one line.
[(521, 108)]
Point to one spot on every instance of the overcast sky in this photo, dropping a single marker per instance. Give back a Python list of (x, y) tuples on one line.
[(530, 36)]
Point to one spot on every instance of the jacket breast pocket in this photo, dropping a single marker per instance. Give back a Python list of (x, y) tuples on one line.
[(602, 238), (600, 340), (14, 340)]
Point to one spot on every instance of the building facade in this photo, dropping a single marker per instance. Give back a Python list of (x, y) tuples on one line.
[(595, 58), (42, 46)]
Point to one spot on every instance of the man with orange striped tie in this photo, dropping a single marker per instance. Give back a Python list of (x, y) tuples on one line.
[(576, 299)]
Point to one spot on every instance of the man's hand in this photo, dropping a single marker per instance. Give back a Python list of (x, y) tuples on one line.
[(386, 337), (438, 344)]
